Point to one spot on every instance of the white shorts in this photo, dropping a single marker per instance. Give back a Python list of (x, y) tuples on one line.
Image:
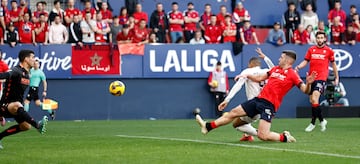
[(249, 119)]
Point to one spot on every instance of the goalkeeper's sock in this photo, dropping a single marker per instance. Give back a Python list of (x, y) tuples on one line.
[(210, 126)]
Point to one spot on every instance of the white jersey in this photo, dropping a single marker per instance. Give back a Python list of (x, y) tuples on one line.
[(252, 88)]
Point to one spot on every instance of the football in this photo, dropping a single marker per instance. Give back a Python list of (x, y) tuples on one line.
[(117, 88)]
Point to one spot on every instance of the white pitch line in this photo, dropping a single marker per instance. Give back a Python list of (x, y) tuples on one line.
[(242, 145)]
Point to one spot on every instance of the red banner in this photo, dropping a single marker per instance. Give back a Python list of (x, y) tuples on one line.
[(131, 48), (95, 60)]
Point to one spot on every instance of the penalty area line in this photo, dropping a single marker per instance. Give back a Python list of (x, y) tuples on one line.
[(241, 145)]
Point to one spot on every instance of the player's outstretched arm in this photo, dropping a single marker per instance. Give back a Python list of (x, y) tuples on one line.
[(258, 78), (309, 80), (267, 60), (301, 65)]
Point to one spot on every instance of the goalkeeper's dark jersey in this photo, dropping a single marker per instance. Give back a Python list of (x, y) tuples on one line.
[(17, 80)]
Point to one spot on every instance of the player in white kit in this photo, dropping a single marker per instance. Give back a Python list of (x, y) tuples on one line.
[(252, 89)]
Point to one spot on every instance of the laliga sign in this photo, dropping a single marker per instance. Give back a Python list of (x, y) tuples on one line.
[(343, 59), (204, 61)]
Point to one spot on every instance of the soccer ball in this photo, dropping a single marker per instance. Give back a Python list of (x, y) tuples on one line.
[(117, 88)]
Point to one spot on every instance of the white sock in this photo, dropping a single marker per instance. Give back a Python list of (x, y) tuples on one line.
[(247, 128)]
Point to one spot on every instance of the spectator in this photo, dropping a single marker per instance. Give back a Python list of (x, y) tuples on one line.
[(106, 13), (14, 13), (240, 15), (159, 23), (103, 29), (115, 28), (191, 19), (131, 6), (4, 19), (75, 34), (356, 26), (25, 29), (292, 20), (311, 38), (24, 8), (153, 38), (58, 33), (321, 27), (229, 30), (70, 12), (213, 31), (41, 31), (247, 33), (305, 3), (337, 12), (124, 37), (197, 39), (88, 28), (332, 3), (220, 18), (56, 11), (309, 17), (205, 18), (349, 18), (140, 34), (40, 9), (350, 35), (11, 36), (131, 22), (98, 4), (176, 20), (337, 31), (301, 36), (180, 40), (276, 36), (89, 8), (140, 15), (123, 17), (295, 2)]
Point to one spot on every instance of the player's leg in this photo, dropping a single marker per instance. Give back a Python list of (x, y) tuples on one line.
[(315, 99), (246, 128), (26, 105), (265, 134), (29, 97), (223, 120)]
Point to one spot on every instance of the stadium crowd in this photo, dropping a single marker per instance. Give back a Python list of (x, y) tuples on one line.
[(97, 24)]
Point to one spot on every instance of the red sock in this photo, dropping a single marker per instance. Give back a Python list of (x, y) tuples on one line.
[(314, 105), (282, 138), (213, 125)]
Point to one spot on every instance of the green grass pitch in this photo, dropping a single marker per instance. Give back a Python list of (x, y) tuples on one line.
[(179, 141)]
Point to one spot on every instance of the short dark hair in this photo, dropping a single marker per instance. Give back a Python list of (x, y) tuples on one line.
[(37, 3), (41, 14), (13, 1), (44, 3), (174, 3), (352, 6), (291, 3), (208, 4), (190, 3), (56, 1), (290, 53), (255, 60), (218, 63), (24, 54), (227, 16), (320, 33)]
